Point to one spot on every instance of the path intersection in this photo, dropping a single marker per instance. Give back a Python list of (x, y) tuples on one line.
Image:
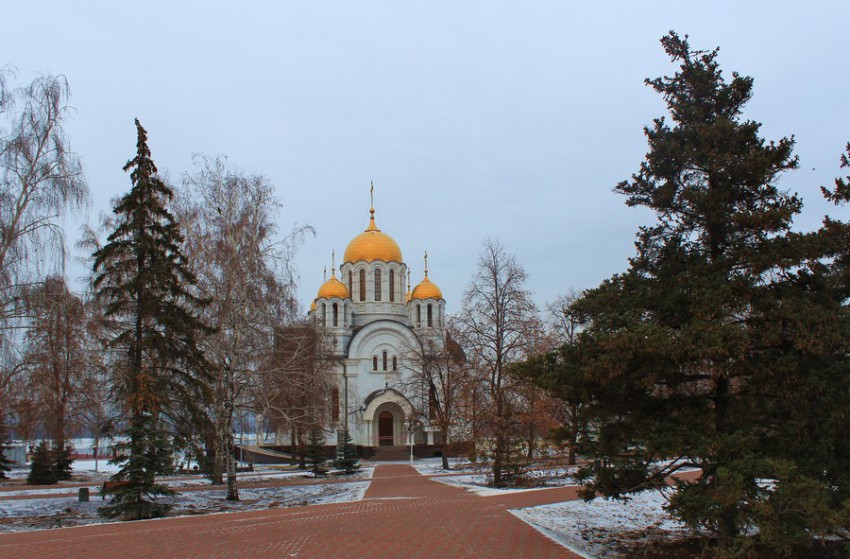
[(403, 514)]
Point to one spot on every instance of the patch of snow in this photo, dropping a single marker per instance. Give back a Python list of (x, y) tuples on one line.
[(434, 466), (593, 529), (479, 483), (32, 514)]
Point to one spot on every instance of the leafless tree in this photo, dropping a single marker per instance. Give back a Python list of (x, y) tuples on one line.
[(245, 269), (566, 323), (496, 327), (438, 379), (40, 180), (55, 357), (296, 394)]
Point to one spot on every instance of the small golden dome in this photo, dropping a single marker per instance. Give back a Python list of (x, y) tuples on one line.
[(426, 290), (333, 288), (313, 306), (372, 244)]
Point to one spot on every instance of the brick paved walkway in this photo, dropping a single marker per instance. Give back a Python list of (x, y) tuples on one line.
[(403, 515)]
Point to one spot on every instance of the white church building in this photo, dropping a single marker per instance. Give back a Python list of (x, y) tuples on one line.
[(377, 328)]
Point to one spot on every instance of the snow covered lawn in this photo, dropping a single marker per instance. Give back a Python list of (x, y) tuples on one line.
[(44, 510), (604, 529)]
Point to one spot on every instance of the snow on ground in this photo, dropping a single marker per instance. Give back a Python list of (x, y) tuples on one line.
[(479, 482), (45, 510), (599, 529), (434, 466)]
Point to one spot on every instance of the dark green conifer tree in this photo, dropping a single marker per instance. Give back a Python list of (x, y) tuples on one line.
[(721, 325), (42, 466), (316, 457), (63, 463), (146, 288), (346, 457), (5, 463)]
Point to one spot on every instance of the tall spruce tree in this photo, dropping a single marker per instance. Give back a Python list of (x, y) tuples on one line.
[(146, 289), (718, 331)]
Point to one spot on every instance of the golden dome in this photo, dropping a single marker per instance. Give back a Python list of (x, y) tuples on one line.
[(372, 244), (333, 288), (313, 306), (426, 290)]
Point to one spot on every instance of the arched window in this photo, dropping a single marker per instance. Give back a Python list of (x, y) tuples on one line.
[(350, 282), (385, 360), (395, 363), (377, 285), (362, 285), (335, 311), (430, 316), (324, 314), (392, 286), (418, 315), (375, 363)]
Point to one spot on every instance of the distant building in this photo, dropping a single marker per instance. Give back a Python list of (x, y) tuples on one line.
[(378, 328)]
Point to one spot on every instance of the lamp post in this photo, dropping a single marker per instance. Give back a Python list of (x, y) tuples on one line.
[(410, 428)]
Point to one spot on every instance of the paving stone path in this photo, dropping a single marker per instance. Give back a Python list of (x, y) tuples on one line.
[(403, 515)]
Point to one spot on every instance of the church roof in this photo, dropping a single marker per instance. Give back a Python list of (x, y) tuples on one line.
[(333, 288), (426, 290), (372, 244)]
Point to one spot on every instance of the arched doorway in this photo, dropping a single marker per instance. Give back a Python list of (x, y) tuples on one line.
[(385, 429)]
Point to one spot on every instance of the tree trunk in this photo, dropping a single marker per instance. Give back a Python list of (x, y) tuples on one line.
[(572, 443), (232, 488)]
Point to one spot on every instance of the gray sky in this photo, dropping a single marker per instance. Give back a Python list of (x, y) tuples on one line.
[(510, 120)]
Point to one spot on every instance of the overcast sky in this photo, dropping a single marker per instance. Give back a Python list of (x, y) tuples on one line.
[(508, 120)]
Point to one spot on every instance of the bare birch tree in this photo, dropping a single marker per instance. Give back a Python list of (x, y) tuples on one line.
[(439, 378), (295, 394), (497, 327), (40, 181), (245, 269), (55, 358)]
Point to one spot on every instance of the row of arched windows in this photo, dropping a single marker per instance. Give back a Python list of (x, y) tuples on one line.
[(384, 362), (337, 315), (429, 312), (394, 290)]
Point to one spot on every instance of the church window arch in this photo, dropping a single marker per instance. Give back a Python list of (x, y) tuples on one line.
[(392, 286), (430, 315), (385, 360), (350, 282), (395, 363), (324, 312), (375, 363), (418, 315), (378, 285), (362, 285), (335, 314)]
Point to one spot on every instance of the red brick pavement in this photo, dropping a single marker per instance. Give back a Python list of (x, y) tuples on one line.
[(403, 514)]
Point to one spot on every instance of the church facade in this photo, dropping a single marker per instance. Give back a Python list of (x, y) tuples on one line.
[(378, 330)]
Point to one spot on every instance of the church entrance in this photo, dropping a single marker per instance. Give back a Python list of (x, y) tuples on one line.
[(385, 429)]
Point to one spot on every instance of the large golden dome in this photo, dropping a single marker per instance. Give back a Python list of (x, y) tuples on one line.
[(372, 244), (426, 290), (333, 288)]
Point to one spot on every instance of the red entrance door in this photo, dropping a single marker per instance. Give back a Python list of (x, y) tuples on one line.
[(385, 428)]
